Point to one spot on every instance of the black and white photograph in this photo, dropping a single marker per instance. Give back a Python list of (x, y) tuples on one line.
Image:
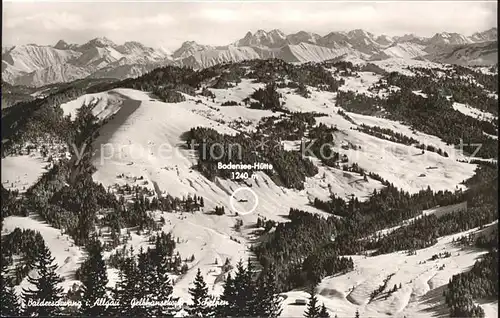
[(249, 159)]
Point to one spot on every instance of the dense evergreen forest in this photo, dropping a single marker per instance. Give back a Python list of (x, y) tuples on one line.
[(290, 168), (480, 283)]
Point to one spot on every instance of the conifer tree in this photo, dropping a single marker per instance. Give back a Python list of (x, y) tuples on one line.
[(357, 314), (161, 285), (145, 280), (228, 299), (126, 287), (323, 313), (8, 299), (268, 303), (199, 296), (46, 288), (313, 309), (239, 293), (245, 289), (94, 278)]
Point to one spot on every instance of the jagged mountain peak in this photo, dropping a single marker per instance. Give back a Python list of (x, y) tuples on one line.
[(61, 45), (273, 38), (277, 32), (100, 42), (189, 48), (384, 40), (412, 38), (192, 44), (6, 49), (260, 32), (449, 38), (134, 44), (407, 37), (303, 36), (130, 47), (360, 33)]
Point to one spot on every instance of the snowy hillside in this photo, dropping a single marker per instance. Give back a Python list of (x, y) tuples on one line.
[(422, 283), (381, 225), (405, 50)]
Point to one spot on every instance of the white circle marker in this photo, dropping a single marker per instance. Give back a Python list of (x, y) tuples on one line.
[(233, 199)]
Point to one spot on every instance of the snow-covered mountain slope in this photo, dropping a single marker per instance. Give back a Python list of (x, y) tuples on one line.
[(475, 54), (5, 49), (56, 73), (363, 41), (359, 40), (120, 70), (303, 36), (189, 48), (302, 52), (131, 143), (406, 163), (128, 141), (25, 59), (445, 38), (395, 64), (103, 105), (405, 50), (144, 138), (212, 56), (412, 38), (34, 65), (98, 57), (384, 40), (142, 142), (485, 36), (422, 280), (305, 52), (63, 45)]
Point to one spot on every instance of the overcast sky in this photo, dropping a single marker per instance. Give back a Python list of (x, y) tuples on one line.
[(168, 24)]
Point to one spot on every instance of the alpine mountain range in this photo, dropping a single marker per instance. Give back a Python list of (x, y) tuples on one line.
[(38, 65)]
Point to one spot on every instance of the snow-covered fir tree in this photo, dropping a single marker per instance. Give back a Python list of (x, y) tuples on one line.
[(46, 287), (323, 313), (268, 303), (8, 299), (313, 308), (94, 278), (199, 297)]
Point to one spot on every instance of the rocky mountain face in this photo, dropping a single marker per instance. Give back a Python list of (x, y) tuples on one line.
[(35, 65), (488, 35), (483, 53)]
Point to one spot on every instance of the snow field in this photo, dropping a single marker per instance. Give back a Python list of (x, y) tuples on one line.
[(21, 172)]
